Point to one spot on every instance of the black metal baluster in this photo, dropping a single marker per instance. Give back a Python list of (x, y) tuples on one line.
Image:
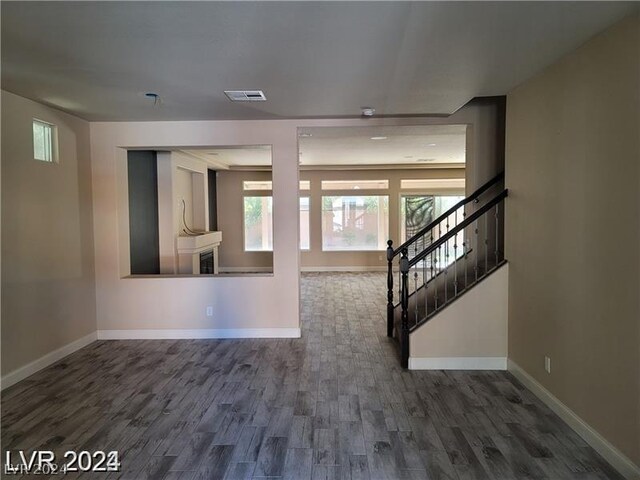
[(399, 277), (465, 247), (404, 334), (424, 284), (435, 279), (455, 257), (415, 292), (390, 289), (431, 276), (477, 250), (497, 233), (486, 243), (446, 264)]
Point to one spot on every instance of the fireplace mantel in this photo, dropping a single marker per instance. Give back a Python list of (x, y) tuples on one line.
[(190, 247)]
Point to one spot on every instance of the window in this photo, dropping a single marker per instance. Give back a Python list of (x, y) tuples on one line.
[(44, 141), (355, 184), (257, 185), (268, 185), (432, 183), (418, 211), (304, 223), (355, 222), (258, 224)]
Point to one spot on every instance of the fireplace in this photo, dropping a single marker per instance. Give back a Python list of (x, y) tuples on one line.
[(206, 262)]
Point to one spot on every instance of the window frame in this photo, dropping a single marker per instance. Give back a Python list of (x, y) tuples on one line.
[(268, 193), (308, 249), (356, 193), (53, 140), (245, 188), (422, 193), (339, 185)]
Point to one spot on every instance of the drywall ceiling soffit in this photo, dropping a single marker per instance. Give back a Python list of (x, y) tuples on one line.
[(383, 145), (225, 158), (334, 148), (312, 59)]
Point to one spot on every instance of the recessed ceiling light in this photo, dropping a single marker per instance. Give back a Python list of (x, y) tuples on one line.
[(431, 145), (378, 138)]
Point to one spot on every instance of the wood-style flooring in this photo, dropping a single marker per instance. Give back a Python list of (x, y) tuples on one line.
[(332, 405)]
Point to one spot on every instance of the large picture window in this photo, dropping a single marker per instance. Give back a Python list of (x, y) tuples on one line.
[(304, 223), (355, 222), (258, 224)]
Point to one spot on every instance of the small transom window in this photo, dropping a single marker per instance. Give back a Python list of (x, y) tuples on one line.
[(44, 141)]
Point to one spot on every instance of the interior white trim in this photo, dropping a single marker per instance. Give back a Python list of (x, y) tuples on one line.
[(50, 358), (245, 269), (611, 454), (173, 334), (361, 268), (457, 363)]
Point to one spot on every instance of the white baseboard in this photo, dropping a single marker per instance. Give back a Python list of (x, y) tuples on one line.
[(611, 454), (457, 363), (345, 269), (246, 269), (172, 334), (29, 369)]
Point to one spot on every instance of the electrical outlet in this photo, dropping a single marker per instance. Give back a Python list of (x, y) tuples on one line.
[(209, 311), (547, 364)]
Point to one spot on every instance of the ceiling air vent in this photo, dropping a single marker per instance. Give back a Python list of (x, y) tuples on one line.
[(245, 95)]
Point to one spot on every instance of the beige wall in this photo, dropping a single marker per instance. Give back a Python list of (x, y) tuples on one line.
[(48, 293), (155, 305), (230, 214), (152, 304), (315, 257), (572, 231), (230, 221), (475, 325)]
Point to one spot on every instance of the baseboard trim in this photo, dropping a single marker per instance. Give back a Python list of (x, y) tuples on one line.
[(50, 358), (345, 269), (457, 363), (172, 334), (246, 269), (611, 454)]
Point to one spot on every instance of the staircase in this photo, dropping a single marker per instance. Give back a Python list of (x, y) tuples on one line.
[(444, 260)]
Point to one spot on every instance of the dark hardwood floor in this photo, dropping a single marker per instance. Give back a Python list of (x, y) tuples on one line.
[(331, 405)]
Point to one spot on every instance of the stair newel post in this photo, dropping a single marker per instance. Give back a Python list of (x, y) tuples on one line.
[(404, 334), (390, 288)]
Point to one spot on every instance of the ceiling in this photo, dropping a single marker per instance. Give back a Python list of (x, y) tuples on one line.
[(230, 157), (416, 145), (397, 146), (312, 59)]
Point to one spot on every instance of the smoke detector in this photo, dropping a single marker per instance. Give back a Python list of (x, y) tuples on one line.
[(246, 95)]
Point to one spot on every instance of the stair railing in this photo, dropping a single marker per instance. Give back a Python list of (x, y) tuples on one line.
[(424, 237), (482, 226)]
